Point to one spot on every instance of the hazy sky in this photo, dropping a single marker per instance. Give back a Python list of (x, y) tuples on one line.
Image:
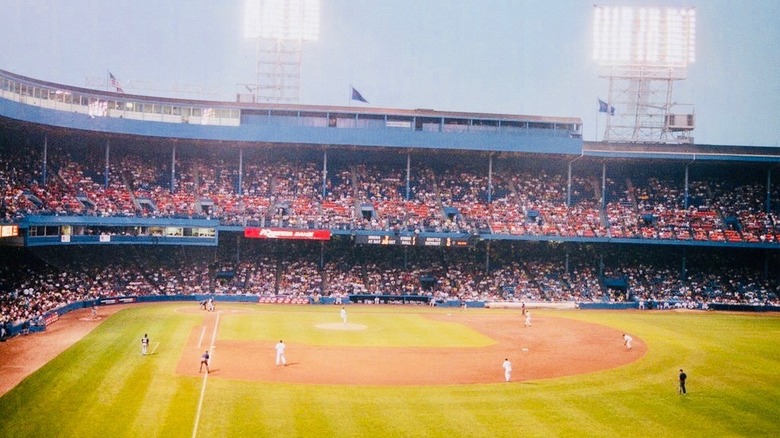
[(495, 56)]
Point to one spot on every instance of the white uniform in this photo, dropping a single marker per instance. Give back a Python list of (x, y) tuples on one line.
[(627, 340), (280, 359), (344, 315), (528, 319), (507, 370)]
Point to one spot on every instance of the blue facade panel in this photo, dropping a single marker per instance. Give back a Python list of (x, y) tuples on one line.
[(254, 131)]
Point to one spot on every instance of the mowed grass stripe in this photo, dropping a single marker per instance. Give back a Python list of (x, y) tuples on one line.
[(249, 409), (447, 416), (733, 362), (166, 388), (178, 416), (147, 394)]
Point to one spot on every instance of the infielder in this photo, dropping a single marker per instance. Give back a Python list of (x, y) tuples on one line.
[(528, 319), (627, 341), (280, 359), (507, 370), (344, 315)]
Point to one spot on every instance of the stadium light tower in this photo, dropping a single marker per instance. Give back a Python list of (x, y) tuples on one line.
[(280, 28), (643, 51)]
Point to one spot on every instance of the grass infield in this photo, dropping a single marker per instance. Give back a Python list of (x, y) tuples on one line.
[(102, 386)]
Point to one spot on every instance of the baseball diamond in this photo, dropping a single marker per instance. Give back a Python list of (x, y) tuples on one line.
[(406, 357)]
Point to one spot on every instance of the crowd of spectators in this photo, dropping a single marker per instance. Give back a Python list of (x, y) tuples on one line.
[(437, 195), (38, 281)]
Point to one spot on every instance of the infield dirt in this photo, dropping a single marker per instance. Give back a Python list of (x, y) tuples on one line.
[(552, 347)]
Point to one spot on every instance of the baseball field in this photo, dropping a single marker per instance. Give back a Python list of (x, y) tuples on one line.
[(400, 371)]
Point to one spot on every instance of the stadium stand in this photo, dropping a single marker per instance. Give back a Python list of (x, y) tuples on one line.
[(534, 227)]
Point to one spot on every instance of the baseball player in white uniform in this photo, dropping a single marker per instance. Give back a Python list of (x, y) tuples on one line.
[(507, 369), (144, 344), (280, 359)]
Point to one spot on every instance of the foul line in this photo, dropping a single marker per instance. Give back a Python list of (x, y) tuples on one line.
[(205, 376), (202, 332)]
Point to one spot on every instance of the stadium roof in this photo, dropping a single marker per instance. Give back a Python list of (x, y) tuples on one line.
[(687, 152)]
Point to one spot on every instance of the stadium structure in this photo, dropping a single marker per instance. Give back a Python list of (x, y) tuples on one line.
[(376, 203)]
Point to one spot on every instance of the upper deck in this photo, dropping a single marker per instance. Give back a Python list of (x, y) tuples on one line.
[(235, 123)]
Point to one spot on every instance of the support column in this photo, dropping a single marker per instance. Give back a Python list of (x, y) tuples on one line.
[(490, 179), (44, 164), (238, 250), (603, 186), (568, 185), (765, 276), (324, 172), (173, 169), (601, 266), (408, 172), (685, 200), (106, 178), (239, 189), (487, 258), (768, 190)]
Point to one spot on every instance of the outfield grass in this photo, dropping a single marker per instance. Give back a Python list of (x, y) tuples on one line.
[(103, 387)]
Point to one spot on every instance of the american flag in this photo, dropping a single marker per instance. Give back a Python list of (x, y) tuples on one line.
[(115, 83)]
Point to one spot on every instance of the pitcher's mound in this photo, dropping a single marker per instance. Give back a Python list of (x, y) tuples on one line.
[(340, 326)]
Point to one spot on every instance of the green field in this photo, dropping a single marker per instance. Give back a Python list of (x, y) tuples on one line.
[(102, 387)]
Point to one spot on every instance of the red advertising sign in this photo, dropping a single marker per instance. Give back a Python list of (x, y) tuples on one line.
[(51, 318), (286, 233)]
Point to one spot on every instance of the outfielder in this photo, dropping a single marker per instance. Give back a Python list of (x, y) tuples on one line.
[(144, 344)]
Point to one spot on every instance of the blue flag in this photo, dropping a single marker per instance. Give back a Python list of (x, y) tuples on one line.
[(357, 96), (605, 107)]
